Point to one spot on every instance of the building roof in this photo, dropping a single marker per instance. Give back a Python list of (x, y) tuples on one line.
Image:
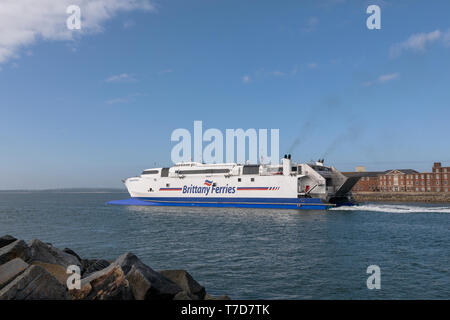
[(363, 174), (405, 171), (378, 173)]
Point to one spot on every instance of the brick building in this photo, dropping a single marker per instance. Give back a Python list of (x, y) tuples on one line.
[(404, 180)]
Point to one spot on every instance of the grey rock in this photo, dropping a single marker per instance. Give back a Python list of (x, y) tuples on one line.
[(183, 295), (85, 263), (107, 284), (6, 239), (97, 274), (35, 283), (43, 252), (210, 297), (10, 270), (185, 281), (139, 284), (56, 270), (16, 249), (94, 266), (156, 287), (70, 251)]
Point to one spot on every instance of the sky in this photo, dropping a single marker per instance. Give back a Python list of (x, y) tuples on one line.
[(89, 107)]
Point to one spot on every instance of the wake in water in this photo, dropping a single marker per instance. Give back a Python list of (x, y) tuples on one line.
[(394, 208)]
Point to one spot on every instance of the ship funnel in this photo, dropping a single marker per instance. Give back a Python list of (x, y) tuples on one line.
[(287, 166)]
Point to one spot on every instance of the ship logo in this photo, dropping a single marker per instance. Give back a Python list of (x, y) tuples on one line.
[(208, 183)]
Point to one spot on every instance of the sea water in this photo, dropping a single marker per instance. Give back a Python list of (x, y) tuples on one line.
[(253, 253)]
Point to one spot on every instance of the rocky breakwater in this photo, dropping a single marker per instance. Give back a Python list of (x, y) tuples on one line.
[(37, 270)]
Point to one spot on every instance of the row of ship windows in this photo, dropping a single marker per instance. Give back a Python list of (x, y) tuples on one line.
[(214, 184), (246, 170), (204, 171)]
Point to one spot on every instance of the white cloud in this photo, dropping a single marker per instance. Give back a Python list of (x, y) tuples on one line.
[(446, 38), (294, 70), (416, 42), (265, 74), (383, 79), (165, 71), (24, 22), (246, 79), (117, 101), (311, 24), (277, 73), (129, 24), (335, 60), (388, 77), (120, 78)]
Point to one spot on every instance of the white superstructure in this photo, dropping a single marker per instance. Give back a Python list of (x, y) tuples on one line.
[(193, 183)]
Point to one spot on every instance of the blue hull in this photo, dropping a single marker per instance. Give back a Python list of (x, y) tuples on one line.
[(269, 203)]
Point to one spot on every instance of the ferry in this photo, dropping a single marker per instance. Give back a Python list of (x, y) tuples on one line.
[(286, 185)]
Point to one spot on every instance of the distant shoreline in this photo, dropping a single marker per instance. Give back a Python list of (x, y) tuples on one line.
[(422, 197)]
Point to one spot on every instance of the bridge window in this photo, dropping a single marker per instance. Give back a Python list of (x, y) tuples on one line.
[(150, 172), (204, 171), (164, 172), (250, 169)]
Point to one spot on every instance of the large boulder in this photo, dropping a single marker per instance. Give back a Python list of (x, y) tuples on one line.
[(185, 281), (107, 284), (6, 239), (145, 282), (139, 284), (56, 270), (91, 266), (85, 263), (16, 249), (210, 297), (182, 295), (10, 270), (70, 251), (34, 284), (44, 252)]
